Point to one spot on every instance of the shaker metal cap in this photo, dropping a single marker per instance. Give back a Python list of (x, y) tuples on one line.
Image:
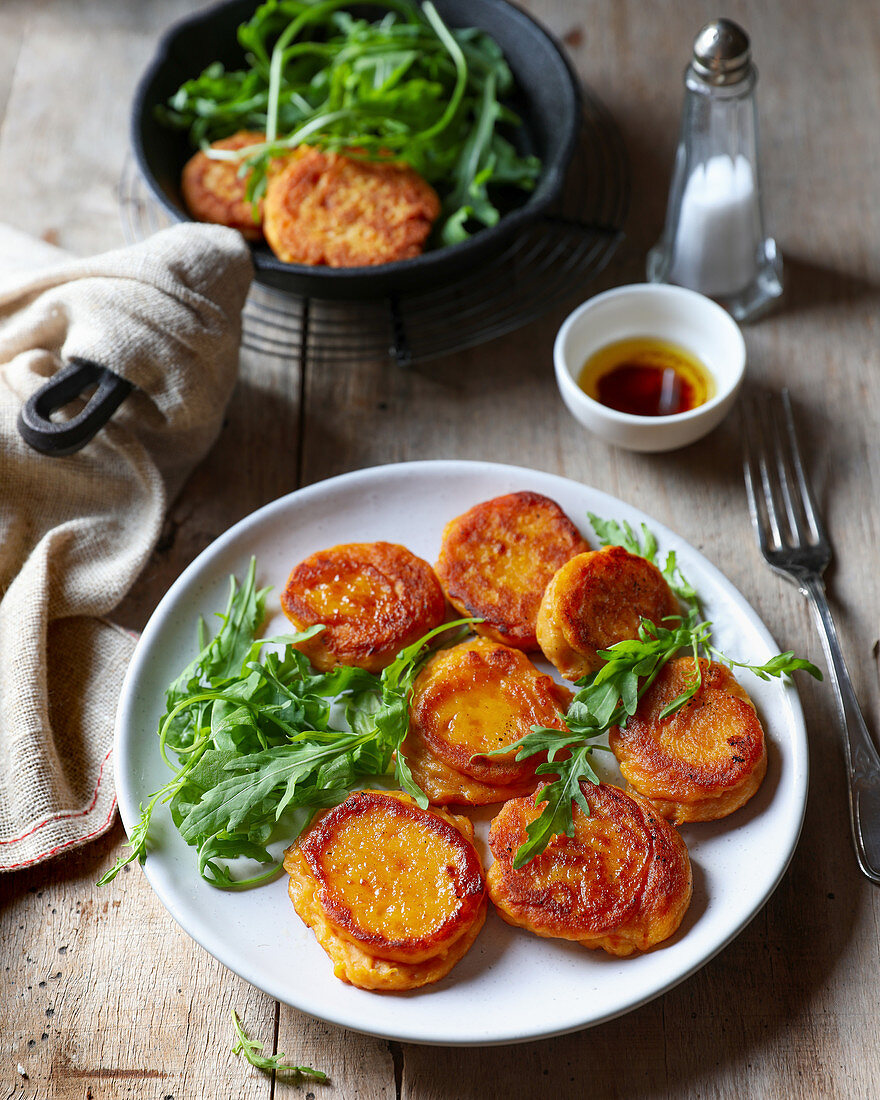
[(721, 52)]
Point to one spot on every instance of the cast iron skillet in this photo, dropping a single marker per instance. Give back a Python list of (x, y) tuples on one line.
[(548, 100)]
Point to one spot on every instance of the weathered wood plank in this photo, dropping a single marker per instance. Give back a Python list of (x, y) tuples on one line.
[(105, 996), (13, 30), (356, 1065), (65, 131)]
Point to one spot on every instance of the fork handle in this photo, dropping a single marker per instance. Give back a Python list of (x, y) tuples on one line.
[(862, 760)]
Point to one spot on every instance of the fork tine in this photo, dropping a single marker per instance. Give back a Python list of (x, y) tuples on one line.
[(781, 503), (754, 485), (782, 465), (807, 501), (768, 468)]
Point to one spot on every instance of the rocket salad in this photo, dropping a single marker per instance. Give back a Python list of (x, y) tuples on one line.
[(259, 736), (405, 88)]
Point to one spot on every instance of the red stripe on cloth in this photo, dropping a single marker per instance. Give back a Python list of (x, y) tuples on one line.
[(63, 815), (67, 843)]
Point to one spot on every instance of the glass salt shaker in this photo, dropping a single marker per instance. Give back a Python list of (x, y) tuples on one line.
[(714, 239)]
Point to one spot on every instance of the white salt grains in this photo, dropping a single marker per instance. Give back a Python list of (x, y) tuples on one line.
[(718, 239)]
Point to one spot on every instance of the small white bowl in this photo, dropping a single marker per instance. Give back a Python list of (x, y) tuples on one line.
[(671, 314)]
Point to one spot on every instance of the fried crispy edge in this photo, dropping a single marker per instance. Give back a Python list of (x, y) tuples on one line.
[(290, 237), (424, 607), (507, 627), (438, 775), (354, 966), (560, 630), (446, 787), (302, 859), (648, 930), (717, 802), (205, 205)]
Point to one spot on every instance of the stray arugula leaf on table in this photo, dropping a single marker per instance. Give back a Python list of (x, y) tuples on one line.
[(610, 696), (252, 1049), (253, 738)]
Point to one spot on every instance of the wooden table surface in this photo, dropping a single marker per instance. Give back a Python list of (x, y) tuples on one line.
[(102, 994)]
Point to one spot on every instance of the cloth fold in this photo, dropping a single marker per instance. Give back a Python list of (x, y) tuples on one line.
[(75, 532)]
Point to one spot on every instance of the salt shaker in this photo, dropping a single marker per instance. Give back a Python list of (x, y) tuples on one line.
[(714, 239)]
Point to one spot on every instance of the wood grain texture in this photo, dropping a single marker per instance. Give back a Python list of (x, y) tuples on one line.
[(357, 1065), (132, 1007), (105, 996), (65, 128)]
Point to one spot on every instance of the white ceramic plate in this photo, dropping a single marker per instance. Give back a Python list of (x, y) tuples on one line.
[(512, 986)]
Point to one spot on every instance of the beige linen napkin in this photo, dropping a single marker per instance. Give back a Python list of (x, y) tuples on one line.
[(76, 531)]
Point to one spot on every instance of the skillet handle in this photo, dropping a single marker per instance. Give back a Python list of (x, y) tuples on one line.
[(57, 438)]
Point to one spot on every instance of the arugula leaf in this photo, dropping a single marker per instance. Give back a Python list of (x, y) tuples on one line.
[(610, 695), (253, 736), (606, 698), (252, 1049), (389, 718), (405, 781), (560, 798), (783, 664), (137, 840), (404, 87), (218, 874), (611, 533), (282, 774), (224, 655)]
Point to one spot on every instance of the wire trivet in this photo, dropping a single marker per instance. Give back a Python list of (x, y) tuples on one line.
[(552, 260)]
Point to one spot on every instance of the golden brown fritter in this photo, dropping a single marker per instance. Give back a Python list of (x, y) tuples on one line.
[(701, 762), (373, 597), (470, 700), (339, 211), (595, 600), (497, 558), (394, 894), (622, 882), (214, 192)]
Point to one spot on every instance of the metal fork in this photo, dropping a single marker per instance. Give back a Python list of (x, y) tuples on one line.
[(795, 544)]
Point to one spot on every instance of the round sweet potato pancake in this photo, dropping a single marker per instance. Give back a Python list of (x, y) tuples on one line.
[(214, 192), (373, 597), (622, 882), (339, 211), (596, 599), (497, 558), (394, 894), (703, 761), (470, 700)]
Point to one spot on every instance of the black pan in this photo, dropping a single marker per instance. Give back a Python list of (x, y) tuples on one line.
[(548, 101)]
